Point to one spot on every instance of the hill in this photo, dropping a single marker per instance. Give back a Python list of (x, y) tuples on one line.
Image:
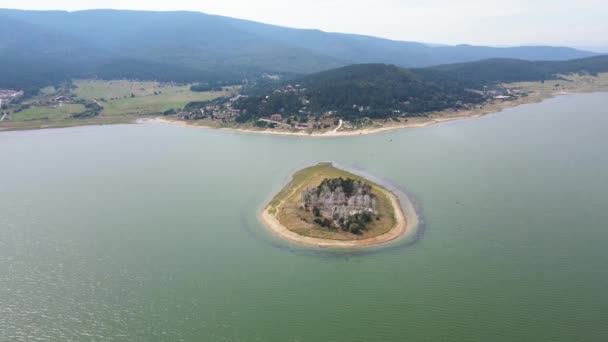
[(192, 46), (492, 71), (369, 90), (381, 91)]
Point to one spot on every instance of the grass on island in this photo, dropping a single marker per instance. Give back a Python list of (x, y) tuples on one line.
[(285, 206), (122, 101)]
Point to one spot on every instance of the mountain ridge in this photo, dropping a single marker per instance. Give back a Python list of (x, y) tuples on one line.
[(186, 46)]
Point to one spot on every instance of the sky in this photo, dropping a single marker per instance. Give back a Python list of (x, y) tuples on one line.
[(575, 23)]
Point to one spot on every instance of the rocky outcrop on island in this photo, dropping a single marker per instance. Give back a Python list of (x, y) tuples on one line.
[(341, 203)]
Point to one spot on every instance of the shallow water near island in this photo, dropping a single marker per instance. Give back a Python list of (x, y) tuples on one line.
[(149, 233)]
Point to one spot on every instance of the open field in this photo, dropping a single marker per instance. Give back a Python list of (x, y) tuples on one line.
[(56, 113), (568, 83), (139, 98), (50, 90), (285, 206), (122, 101)]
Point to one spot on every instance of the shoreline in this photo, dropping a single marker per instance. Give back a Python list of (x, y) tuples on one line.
[(537, 92), (406, 220), (417, 122)]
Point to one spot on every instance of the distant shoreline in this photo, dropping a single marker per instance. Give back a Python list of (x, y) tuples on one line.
[(537, 92), (413, 122), (406, 220)]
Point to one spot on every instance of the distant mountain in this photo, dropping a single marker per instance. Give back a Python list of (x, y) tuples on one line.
[(192, 46), (380, 90), (367, 49), (500, 70), (32, 56)]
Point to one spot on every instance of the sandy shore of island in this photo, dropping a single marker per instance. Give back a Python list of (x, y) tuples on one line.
[(405, 217), (413, 122)]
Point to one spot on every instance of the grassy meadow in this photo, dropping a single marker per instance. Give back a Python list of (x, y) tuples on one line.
[(56, 113), (123, 97), (123, 101), (567, 83)]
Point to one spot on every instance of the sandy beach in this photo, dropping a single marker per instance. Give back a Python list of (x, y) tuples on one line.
[(328, 134), (405, 217)]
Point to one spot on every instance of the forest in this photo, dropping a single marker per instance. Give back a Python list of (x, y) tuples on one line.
[(381, 91), (41, 48)]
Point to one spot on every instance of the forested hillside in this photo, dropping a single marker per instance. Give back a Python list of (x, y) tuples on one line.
[(191, 46), (380, 91), (370, 90), (491, 71)]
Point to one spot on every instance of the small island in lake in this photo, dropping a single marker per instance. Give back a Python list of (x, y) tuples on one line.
[(326, 206)]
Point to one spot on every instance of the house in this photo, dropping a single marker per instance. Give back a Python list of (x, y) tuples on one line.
[(276, 117), (238, 97), (9, 95), (61, 99)]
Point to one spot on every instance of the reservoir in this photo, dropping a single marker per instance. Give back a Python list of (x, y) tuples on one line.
[(150, 232)]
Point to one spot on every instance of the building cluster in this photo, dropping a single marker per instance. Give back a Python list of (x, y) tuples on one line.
[(62, 99), (8, 95), (338, 203), (214, 111), (290, 89), (498, 93)]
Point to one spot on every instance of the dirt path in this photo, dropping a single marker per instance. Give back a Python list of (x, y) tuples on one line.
[(339, 126)]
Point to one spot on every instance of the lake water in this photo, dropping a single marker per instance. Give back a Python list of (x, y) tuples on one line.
[(149, 233)]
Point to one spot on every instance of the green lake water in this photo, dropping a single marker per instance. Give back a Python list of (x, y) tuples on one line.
[(149, 233)]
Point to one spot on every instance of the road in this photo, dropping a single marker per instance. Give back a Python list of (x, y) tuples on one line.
[(339, 126)]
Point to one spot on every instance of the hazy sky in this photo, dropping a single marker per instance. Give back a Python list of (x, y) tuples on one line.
[(580, 23)]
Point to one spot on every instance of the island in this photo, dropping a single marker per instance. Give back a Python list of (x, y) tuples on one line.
[(326, 206)]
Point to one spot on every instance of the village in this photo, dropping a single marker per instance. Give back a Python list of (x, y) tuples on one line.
[(224, 111), (228, 112), (8, 96)]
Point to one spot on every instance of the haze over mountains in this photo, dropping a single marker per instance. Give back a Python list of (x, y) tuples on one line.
[(46, 46)]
